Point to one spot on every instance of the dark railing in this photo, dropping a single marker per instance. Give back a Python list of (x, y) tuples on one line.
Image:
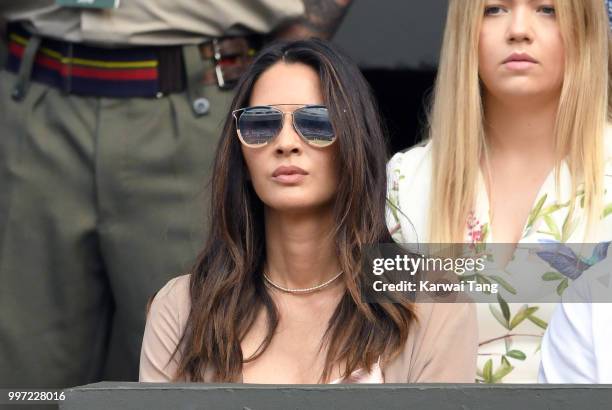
[(109, 395)]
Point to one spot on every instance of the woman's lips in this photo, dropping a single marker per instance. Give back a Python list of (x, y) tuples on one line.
[(519, 62), (519, 65), (289, 174)]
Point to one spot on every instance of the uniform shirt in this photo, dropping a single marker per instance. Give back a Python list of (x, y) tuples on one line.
[(409, 190), (152, 22)]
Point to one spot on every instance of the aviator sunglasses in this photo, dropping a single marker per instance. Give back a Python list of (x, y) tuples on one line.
[(259, 125)]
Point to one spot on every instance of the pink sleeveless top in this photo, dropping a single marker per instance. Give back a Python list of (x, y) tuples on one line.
[(361, 376)]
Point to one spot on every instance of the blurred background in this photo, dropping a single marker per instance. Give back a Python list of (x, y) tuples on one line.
[(397, 45)]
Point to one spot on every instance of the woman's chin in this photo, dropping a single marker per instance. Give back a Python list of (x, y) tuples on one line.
[(301, 206), (527, 90)]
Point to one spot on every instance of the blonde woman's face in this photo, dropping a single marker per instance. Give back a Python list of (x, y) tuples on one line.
[(521, 52)]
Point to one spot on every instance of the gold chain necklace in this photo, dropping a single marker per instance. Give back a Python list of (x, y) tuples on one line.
[(304, 290)]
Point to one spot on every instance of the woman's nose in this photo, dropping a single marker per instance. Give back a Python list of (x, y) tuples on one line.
[(288, 140), (520, 29)]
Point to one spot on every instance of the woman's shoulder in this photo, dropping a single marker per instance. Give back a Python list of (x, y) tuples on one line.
[(175, 288), (410, 170), (408, 192), (408, 161), (172, 301), (166, 321)]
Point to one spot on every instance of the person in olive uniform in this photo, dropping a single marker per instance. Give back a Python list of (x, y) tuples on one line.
[(110, 111)]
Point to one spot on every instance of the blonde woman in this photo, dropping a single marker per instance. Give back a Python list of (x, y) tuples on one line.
[(517, 151)]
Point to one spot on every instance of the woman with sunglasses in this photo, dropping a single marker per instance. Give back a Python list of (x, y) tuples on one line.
[(517, 154), (298, 191)]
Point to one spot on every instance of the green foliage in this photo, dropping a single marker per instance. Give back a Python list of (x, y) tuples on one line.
[(551, 276), (503, 370), (562, 286), (517, 354), (538, 322), (490, 375), (504, 284), (552, 226), (487, 371), (500, 318), (523, 313), (535, 212)]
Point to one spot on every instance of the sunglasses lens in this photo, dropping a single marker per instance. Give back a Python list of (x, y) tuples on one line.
[(314, 125), (258, 125)]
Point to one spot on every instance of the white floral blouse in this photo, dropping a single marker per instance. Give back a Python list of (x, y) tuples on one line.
[(509, 333)]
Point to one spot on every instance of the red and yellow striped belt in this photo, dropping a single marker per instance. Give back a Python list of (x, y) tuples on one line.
[(146, 71)]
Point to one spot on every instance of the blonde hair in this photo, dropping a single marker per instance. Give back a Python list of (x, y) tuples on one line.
[(456, 116)]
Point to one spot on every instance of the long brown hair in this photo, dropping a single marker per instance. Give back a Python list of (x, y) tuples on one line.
[(226, 288)]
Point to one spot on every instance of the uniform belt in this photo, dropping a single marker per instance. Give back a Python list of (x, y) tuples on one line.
[(147, 71), (231, 56)]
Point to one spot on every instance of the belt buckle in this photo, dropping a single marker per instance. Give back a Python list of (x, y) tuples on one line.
[(221, 82)]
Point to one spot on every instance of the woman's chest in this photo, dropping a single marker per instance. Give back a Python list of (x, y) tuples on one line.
[(295, 353), (511, 200), (287, 360)]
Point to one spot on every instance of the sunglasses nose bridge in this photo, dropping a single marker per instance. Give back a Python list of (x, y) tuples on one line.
[(287, 139), (290, 122)]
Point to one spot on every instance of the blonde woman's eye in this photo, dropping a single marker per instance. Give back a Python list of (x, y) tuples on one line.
[(548, 10), (493, 10)]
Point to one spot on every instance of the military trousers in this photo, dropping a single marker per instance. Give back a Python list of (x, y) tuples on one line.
[(102, 201)]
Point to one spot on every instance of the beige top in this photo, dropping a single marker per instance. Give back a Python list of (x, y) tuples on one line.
[(441, 346), (152, 22)]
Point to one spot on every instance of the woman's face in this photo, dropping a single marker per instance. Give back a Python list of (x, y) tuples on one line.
[(288, 174), (521, 52)]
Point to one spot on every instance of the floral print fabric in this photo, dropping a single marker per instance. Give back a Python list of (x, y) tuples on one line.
[(509, 333)]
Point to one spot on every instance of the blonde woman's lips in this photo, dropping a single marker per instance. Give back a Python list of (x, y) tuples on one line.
[(519, 62)]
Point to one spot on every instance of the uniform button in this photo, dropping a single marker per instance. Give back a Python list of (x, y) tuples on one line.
[(201, 106), (17, 93)]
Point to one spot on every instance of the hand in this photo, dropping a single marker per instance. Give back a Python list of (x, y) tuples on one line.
[(321, 19)]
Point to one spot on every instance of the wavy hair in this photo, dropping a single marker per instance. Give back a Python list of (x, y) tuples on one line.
[(226, 289)]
